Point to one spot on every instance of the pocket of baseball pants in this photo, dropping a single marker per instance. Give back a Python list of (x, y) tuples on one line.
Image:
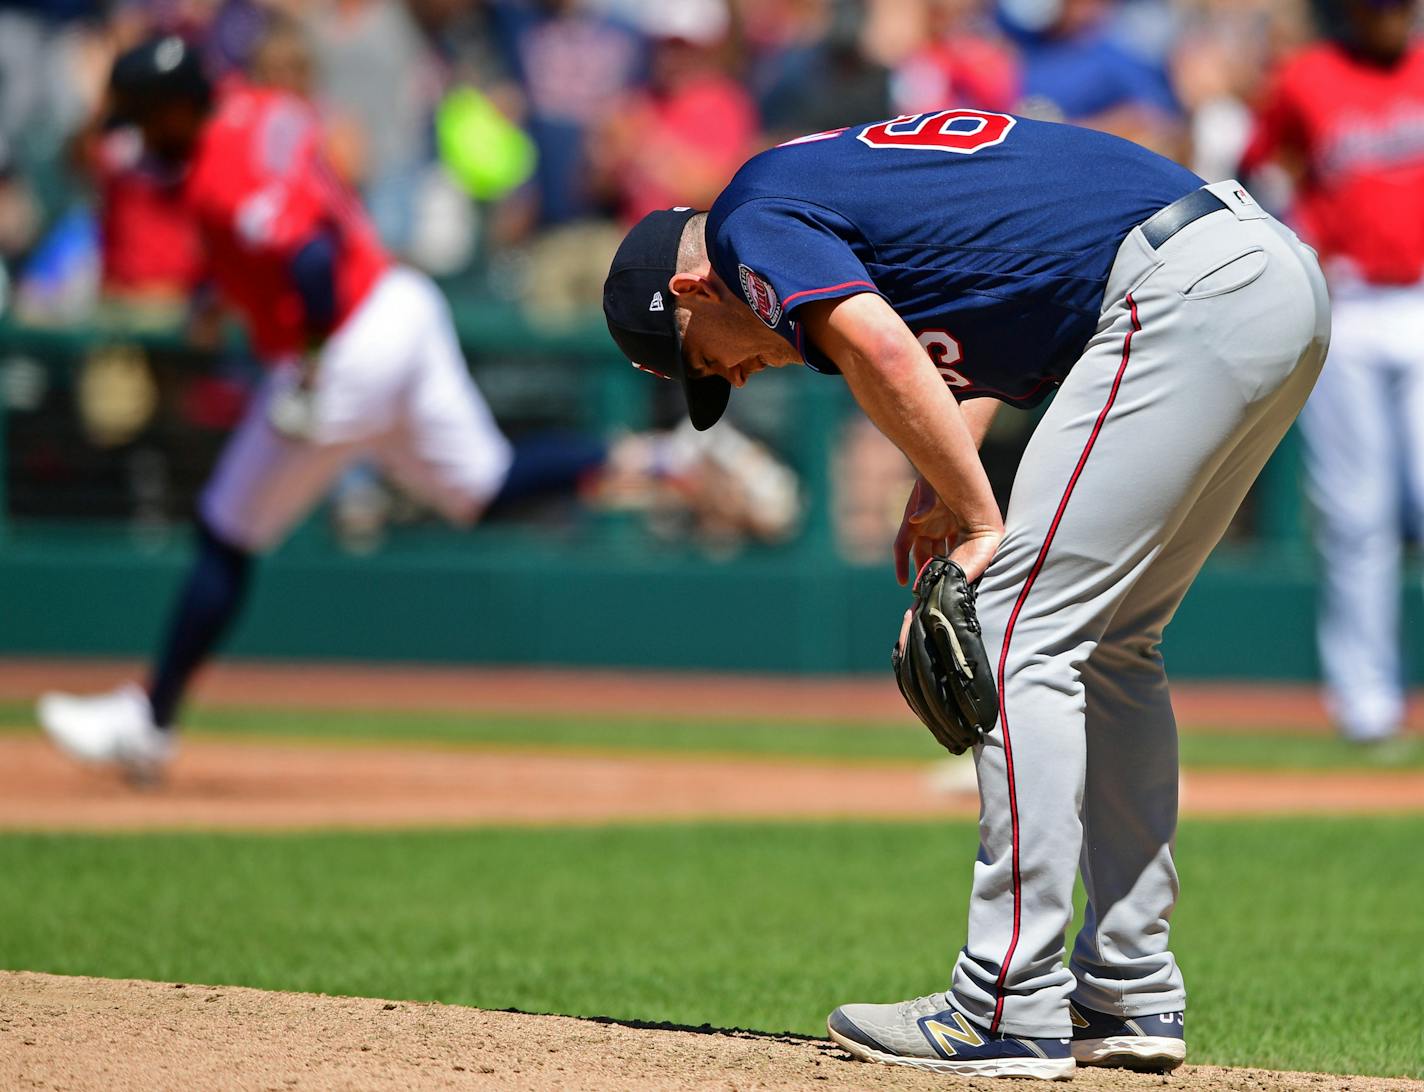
[(1229, 276)]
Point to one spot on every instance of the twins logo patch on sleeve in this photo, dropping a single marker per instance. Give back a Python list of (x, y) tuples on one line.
[(760, 295)]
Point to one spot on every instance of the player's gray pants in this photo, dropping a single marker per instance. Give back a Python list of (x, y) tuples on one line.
[(1364, 460), (1204, 355)]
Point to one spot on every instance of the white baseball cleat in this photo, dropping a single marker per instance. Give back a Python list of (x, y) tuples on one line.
[(114, 728), (930, 1033)]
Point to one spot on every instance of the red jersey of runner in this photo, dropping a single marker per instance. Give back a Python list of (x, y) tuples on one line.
[(260, 190), (1357, 130)]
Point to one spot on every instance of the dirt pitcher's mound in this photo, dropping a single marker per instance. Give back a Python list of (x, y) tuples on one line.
[(90, 1034), (85, 1033)]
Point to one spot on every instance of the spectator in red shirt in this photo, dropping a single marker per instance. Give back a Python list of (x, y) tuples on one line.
[(682, 138), (961, 63)]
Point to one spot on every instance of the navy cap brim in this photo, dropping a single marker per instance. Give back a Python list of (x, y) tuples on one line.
[(707, 398)]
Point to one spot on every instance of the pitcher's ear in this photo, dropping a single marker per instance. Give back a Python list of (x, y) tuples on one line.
[(693, 285)]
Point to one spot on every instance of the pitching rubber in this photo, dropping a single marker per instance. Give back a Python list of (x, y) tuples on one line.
[(1043, 1069), (1144, 1053)]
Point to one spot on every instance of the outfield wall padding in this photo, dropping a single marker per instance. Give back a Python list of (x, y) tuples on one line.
[(1247, 617)]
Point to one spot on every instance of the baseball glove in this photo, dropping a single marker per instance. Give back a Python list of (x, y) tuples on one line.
[(942, 667)]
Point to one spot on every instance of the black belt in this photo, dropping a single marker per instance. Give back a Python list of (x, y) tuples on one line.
[(1161, 226)]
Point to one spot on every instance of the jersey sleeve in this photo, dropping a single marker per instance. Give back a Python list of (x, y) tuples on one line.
[(1278, 129), (780, 254)]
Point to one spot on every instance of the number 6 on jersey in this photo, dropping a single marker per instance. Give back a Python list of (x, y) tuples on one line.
[(944, 351)]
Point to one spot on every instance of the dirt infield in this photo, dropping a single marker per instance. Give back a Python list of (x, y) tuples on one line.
[(96, 1035), (248, 785), (273, 785), (637, 693)]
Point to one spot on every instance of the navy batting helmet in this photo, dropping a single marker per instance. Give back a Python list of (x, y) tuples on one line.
[(157, 71)]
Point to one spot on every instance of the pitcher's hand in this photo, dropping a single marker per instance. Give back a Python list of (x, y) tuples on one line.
[(975, 550), (928, 529)]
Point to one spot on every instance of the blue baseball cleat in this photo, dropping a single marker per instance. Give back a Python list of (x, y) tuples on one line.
[(1149, 1044), (930, 1033)]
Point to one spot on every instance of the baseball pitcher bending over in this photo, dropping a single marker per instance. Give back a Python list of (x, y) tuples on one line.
[(942, 264)]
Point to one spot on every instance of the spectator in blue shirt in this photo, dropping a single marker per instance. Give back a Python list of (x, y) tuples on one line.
[(574, 66), (1073, 69)]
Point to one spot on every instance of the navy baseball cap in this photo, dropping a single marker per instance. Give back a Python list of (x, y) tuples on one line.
[(641, 312)]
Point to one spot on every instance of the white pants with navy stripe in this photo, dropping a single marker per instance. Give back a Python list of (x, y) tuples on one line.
[(1364, 459), (1204, 355), (391, 386)]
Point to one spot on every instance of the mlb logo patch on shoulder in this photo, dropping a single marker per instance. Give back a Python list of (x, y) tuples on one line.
[(760, 295)]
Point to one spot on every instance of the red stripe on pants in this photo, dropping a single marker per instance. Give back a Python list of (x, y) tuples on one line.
[(1004, 656)]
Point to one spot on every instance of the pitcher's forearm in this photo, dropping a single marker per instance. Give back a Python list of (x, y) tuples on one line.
[(911, 405), (897, 385)]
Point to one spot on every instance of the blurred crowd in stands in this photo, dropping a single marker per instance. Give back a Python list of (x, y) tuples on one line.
[(513, 137), (503, 145)]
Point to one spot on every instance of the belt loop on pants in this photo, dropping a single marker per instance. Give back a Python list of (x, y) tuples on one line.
[(1161, 226)]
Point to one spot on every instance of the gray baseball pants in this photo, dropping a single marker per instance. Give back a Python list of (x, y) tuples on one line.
[(1204, 355)]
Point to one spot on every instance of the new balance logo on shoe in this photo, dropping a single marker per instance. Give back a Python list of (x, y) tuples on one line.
[(963, 1032)]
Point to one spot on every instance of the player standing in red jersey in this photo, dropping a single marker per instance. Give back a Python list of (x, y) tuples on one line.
[(1345, 118)]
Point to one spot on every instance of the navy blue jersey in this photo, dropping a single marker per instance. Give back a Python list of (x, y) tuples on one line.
[(991, 236)]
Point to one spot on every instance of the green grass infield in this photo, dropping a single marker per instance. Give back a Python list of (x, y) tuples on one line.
[(1217, 748), (1300, 939)]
